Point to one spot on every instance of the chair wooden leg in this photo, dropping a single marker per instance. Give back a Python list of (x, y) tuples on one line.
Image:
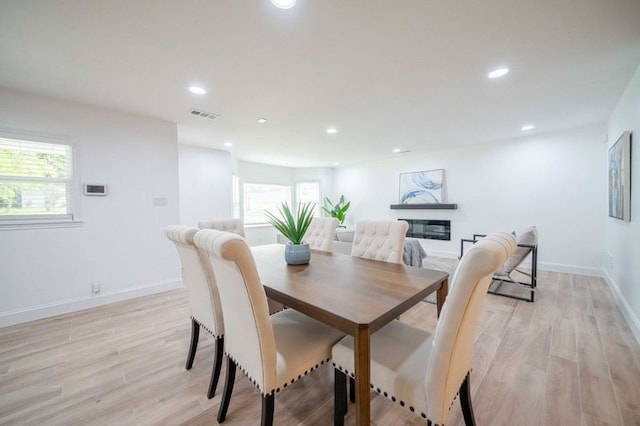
[(339, 397), (195, 334), (465, 402), (217, 365), (352, 389), (228, 390), (268, 405)]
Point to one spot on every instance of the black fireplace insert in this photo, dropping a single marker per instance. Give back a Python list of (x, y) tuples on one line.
[(429, 229)]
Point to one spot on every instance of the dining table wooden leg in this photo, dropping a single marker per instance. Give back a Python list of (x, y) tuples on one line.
[(363, 375), (441, 295)]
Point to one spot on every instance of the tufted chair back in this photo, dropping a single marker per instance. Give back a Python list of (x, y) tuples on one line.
[(198, 277), (224, 225), (450, 359), (250, 339), (380, 240), (321, 233)]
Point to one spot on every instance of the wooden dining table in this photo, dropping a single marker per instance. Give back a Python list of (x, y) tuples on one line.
[(357, 296)]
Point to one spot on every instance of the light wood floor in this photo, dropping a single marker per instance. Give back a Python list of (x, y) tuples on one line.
[(567, 359)]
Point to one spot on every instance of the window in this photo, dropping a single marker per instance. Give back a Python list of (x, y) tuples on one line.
[(261, 197), (309, 192), (35, 180)]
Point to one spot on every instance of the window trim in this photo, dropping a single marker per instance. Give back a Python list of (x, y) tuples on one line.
[(63, 220), (243, 198)]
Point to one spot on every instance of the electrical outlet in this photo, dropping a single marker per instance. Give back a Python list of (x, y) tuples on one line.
[(95, 287)]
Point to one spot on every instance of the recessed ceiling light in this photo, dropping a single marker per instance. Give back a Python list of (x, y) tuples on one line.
[(197, 90), (284, 4), (336, 164), (396, 150), (228, 144), (332, 130), (262, 120), (528, 127), (500, 72)]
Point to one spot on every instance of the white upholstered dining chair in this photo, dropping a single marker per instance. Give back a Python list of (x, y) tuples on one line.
[(237, 227), (380, 240), (321, 233), (226, 225), (204, 300), (421, 371), (273, 351)]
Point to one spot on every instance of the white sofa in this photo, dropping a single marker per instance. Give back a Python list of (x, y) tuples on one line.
[(344, 241)]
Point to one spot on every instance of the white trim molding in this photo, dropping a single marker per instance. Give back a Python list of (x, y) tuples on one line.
[(627, 312), (19, 225), (568, 269), (542, 266), (19, 316)]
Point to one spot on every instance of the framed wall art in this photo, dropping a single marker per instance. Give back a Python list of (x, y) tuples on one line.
[(425, 187), (620, 178)]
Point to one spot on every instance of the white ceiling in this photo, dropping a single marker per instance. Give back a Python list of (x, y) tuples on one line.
[(406, 73)]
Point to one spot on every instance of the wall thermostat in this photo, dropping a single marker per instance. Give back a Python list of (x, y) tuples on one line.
[(95, 189)]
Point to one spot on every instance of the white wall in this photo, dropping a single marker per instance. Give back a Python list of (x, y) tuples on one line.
[(120, 242), (205, 184), (623, 238), (554, 181), (249, 172)]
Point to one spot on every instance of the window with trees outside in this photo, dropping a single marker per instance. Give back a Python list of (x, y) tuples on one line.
[(260, 197), (35, 180)]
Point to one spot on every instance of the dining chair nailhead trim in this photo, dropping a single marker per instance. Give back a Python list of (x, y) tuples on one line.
[(385, 394), (272, 391), (207, 330), (394, 399)]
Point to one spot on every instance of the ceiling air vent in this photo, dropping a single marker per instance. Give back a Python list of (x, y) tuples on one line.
[(204, 114)]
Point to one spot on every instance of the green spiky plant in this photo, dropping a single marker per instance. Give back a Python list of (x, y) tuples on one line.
[(292, 227), (337, 210)]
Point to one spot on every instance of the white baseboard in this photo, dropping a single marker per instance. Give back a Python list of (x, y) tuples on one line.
[(71, 305), (542, 266), (568, 269), (627, 313)]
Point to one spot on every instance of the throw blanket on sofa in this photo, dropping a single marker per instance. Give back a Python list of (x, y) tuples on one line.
[(413, 253)]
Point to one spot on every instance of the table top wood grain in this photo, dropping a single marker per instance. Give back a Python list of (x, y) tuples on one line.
[(353, 291)]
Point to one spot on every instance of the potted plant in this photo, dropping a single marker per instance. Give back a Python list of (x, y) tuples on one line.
[(337, 210), (294, 227)]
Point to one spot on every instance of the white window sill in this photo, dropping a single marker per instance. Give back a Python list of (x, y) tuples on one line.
[(17, 225), (259, 225)]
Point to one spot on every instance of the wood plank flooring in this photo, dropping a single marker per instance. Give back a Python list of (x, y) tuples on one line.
[(567, 359)]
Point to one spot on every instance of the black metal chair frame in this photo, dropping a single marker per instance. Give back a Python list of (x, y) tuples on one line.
[(533, 276)]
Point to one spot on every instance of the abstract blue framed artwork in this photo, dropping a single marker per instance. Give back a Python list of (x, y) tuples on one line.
[(620, 178), (421, 187)]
